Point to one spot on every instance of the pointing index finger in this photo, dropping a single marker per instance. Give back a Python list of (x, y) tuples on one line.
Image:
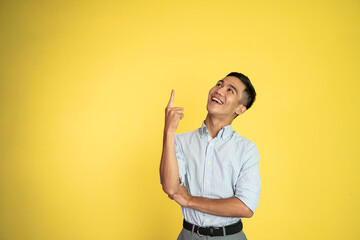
[(171, 101)]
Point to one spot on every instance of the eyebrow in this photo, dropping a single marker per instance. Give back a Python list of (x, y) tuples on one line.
[(222, 81), (233, 88)]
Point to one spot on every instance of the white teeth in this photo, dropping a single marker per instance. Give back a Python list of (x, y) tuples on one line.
[(217, 100)]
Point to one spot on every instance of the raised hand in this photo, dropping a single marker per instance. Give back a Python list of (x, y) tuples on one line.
[(173, 115)]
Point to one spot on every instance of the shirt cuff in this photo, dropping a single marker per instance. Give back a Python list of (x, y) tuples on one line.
[(251, 200)]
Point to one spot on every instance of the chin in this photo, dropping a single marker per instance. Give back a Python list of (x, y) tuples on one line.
[(212, 111)]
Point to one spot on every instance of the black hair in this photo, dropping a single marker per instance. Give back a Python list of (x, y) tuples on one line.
[(249, 93)]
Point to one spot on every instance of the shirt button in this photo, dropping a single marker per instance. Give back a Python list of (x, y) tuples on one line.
[(207, 220), (207, 182), (211, 144), (209, 162)]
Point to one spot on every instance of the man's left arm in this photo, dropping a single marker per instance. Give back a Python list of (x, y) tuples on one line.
[(228, 207), (247, 192)]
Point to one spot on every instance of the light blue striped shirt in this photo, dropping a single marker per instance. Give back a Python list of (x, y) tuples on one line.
[(223, 167)]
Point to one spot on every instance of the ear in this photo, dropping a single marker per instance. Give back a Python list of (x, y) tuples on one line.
[(241, 109)]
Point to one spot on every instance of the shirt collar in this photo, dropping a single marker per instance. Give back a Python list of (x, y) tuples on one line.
[(224, 133)]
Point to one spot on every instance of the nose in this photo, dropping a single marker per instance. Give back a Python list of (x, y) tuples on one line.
[(220, 91)]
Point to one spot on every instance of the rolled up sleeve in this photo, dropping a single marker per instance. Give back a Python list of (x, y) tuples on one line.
[(247, 187), (180, 160)]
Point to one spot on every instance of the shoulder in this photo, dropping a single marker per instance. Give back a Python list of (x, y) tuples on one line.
[(247, 149), (187, 135), (243, 142)]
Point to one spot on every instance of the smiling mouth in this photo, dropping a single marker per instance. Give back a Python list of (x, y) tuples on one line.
[(214, 99)]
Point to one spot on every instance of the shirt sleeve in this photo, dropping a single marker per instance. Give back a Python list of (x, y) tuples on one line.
[(180, 160), (248, 183)]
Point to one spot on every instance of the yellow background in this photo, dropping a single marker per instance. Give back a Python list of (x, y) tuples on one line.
[(83, 89)]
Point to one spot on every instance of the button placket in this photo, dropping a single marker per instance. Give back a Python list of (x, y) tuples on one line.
[(208, 168)]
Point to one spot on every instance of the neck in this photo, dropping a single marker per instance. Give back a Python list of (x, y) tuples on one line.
[(214, 125)]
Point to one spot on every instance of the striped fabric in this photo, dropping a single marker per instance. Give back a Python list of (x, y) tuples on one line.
[(223, 167)]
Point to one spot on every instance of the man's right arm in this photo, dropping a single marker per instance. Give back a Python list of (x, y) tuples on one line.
[(169, 170)]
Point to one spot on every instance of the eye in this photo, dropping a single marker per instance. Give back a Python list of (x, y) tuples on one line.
[(219, 84), (230, 90)]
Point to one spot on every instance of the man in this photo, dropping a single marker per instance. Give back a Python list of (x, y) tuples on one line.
[(212, 172)]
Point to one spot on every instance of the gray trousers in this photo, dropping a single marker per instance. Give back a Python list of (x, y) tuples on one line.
[(188, 235)]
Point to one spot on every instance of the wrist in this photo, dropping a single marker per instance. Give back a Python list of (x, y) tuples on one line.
[(169, 133)]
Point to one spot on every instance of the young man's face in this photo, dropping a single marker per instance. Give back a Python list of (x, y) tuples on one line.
[(224, 97)]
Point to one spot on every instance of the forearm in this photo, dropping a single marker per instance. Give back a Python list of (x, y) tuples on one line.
[(229, 207), (169, 171)]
